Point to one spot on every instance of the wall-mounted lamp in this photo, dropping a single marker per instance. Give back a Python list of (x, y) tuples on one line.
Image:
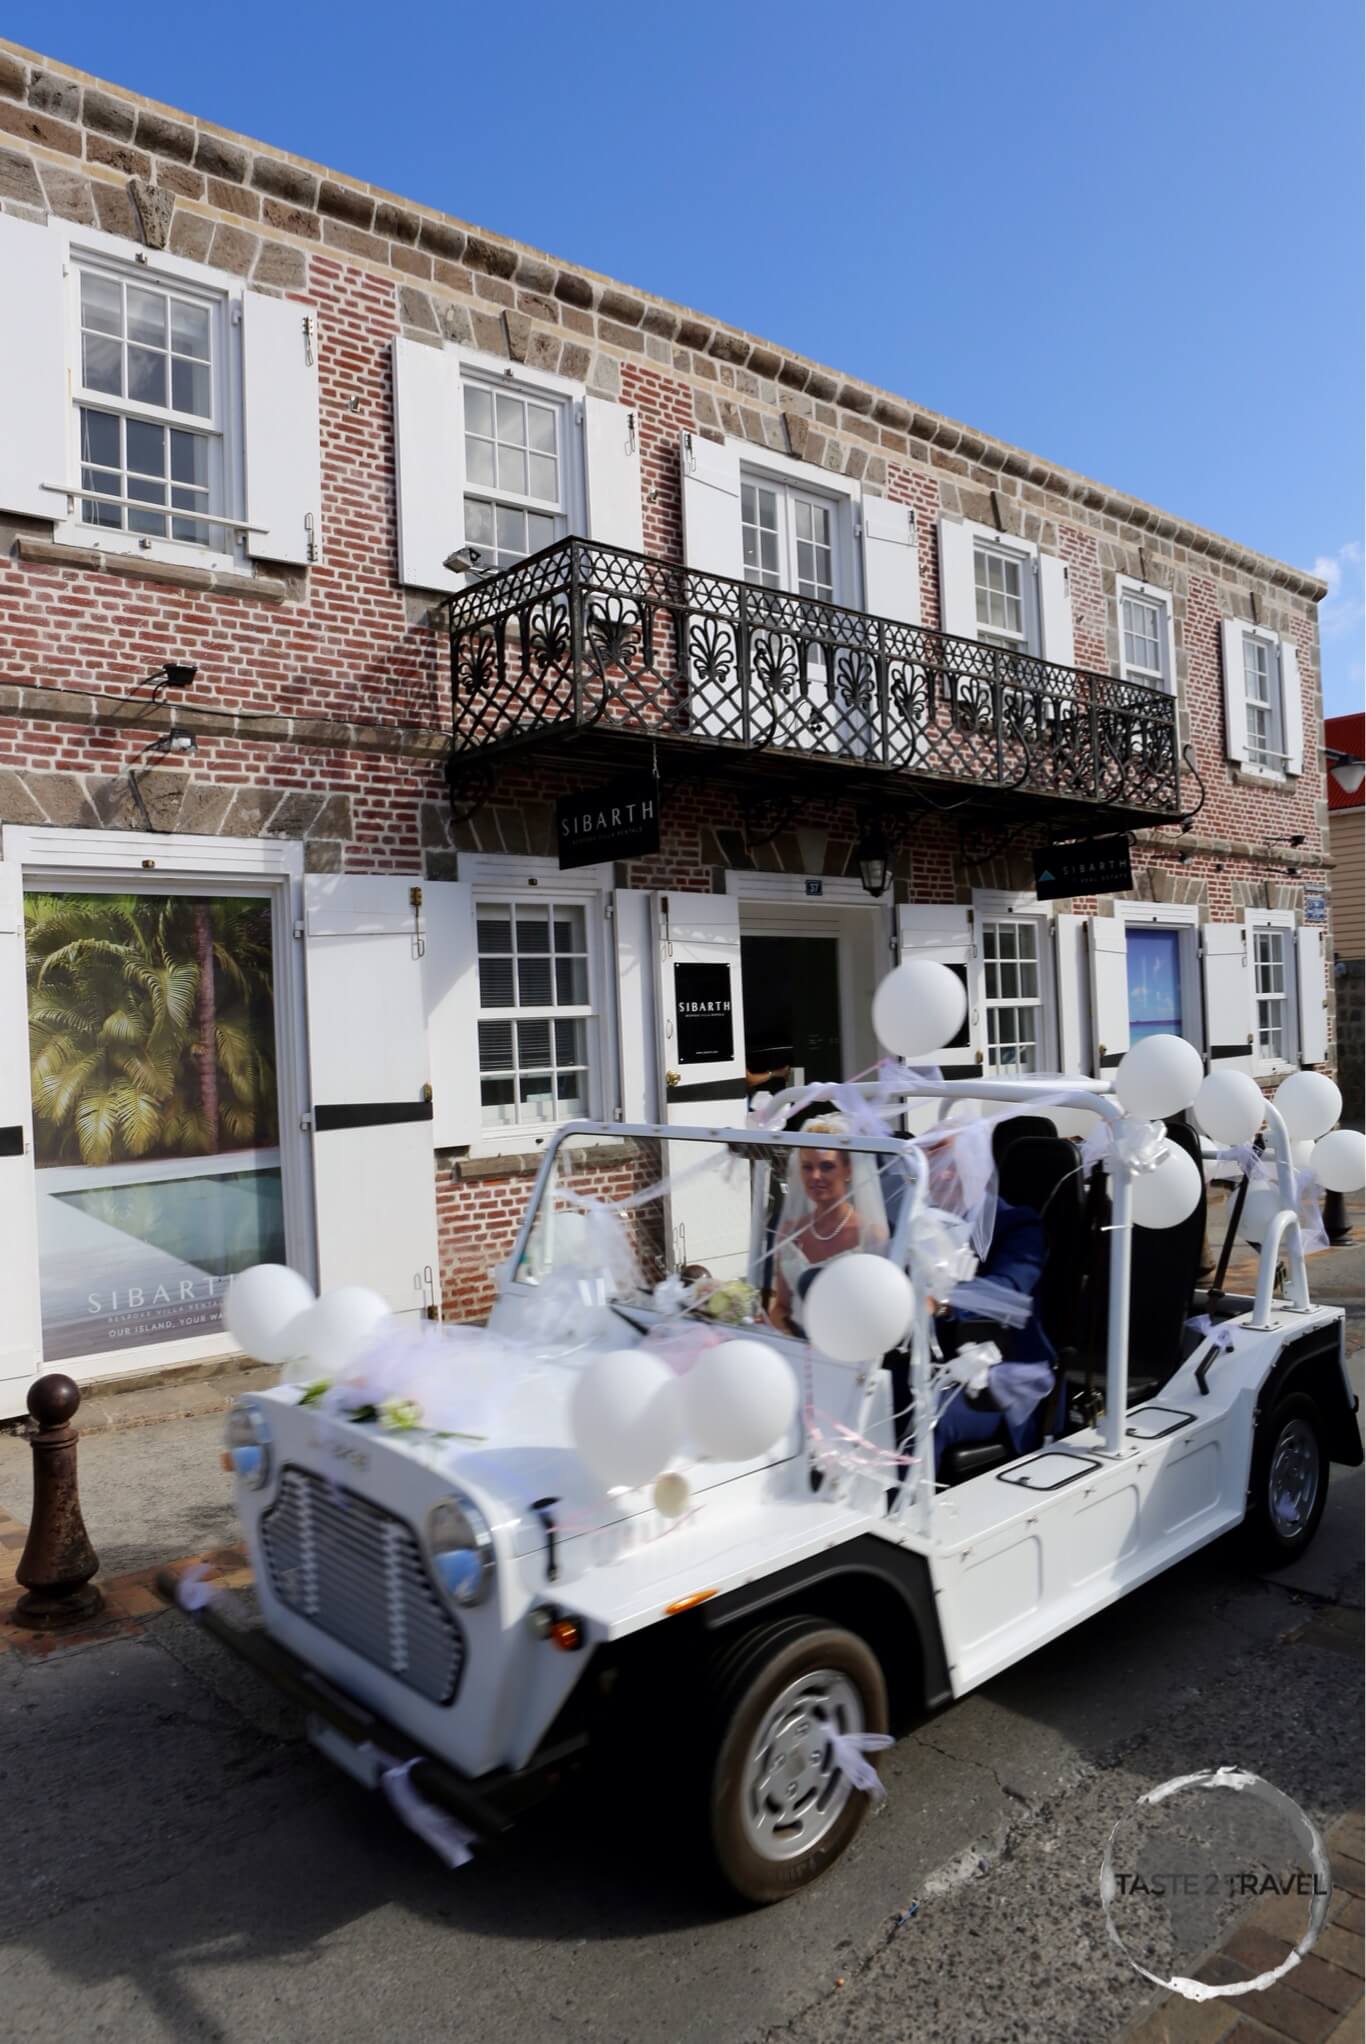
[(172, 741), (874, 856), (1347, 770), (468, 560)]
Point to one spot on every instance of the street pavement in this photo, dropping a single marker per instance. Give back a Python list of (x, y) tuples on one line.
[(180, 1863)]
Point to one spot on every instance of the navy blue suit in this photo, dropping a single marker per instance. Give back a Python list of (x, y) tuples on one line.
[(1015, 1258)]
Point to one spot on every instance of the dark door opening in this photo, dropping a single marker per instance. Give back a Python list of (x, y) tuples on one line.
[(792, 1010)]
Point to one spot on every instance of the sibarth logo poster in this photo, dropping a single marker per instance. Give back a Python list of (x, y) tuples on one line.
[(156, 1144), (705, 1014)]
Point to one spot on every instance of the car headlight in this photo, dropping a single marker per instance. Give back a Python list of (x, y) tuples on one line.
[(460, 1542), (248, 1438)]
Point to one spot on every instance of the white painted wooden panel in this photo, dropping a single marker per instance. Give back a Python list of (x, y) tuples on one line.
[(612, 445), (429, 452), (35, 435), (280, 412), (20, 1321), (367, 1046)]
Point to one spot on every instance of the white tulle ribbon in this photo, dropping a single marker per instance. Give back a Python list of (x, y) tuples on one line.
[(447, 1837), (1219, 1333), (971, 1367), (1141, 1145), (847, 1750)]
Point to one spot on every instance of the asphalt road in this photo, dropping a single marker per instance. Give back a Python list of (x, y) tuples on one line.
[(180, 1864)]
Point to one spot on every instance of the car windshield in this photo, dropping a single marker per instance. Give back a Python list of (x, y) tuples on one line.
[(734, 1231)]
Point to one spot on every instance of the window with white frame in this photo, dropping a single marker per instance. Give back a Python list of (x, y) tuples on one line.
[(151, 396), (1144, 629), (1273, 967), (1003, 589), (1262, 696), (789, 539), (1014, 999), (516, 471), (537, 1023)]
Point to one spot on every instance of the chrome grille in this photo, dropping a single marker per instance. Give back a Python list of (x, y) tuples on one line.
[(357, 1572)]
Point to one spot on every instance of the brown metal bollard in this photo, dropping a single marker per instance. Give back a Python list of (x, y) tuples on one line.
[(58, 1560)]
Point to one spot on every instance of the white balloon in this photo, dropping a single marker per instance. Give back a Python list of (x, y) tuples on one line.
[(1310, 1103), (625, 1417), (333, 1333), (858, 1307), (1340, 1160), (1229, 1107), (1260, 1209), (918, 1008), (739, 1398), (260, 1304), (1161, 1075), (1302, 1155), (672, 1494), (1169, 1193)]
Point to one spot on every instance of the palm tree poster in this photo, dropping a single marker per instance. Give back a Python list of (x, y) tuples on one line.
[(156, 1137)]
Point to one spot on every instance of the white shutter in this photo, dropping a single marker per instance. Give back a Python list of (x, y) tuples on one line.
[(374, 1182), (21, 1322), (891, 561), (948, 935), (1109, 953), (1292, 708), (36, 435), (1074, 995), (711, 507), (611, 433), (450, 977), (1055, 611), (1235, 689), (1313, 992), (634, 938), (1228, 996), (708, 1216), (429, 452), (957, 593), (280, 418)]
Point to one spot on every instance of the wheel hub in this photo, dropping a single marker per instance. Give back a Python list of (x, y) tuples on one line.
[(1293, 1479), (793, 1790)]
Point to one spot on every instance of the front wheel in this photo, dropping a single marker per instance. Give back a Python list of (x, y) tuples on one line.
[(781, 1809), (1289, 1486)]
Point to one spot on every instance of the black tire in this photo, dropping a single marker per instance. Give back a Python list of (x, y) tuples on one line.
[(827, 1664), (1288, 1487)]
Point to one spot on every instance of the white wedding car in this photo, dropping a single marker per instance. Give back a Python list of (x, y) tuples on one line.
[(480, 1612)]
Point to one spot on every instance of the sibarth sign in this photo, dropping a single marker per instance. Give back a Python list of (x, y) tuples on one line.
[(620, 821), (705, 1013), (1093, 865)]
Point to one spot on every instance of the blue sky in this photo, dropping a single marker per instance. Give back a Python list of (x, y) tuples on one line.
[(1128, 238)]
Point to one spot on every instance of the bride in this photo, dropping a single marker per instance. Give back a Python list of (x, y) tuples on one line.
[(833, 1205)]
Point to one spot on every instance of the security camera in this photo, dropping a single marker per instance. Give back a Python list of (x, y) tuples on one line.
[(468, 560), (179, 673)]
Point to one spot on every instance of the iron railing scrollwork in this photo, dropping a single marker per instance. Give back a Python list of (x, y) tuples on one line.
[(585, 635)]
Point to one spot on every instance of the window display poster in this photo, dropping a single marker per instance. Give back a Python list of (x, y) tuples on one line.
[(702, 1003), (156, 1139)]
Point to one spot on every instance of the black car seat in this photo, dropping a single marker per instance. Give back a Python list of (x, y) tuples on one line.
[(1041, 1172), (1164, 1271), (1015, 1128)]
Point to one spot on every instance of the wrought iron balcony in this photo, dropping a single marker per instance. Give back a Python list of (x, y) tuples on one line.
[(593, 642)]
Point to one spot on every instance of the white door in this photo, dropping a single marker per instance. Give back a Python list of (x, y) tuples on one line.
[(700, 1007), (20, 1322), (1229, 1013), (371, 1106)]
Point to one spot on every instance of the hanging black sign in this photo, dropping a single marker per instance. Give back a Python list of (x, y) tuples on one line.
[(1097, 865), (706, 1023), (620, 821)]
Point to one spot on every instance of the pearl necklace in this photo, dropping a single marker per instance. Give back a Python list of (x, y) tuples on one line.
[(837, 1230)]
